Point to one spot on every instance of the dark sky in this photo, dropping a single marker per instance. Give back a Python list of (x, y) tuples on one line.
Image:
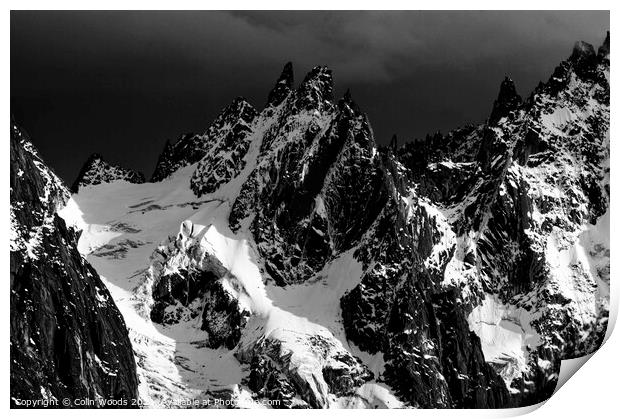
[(121, 83)]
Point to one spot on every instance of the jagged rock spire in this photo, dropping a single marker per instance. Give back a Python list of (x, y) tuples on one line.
[(228, 143), (283, 86), (239, 109), (583, 59), (347, 102), (394, 143), (582, 50), (603, 50), (191, 148), (507, 100), (316, 90), (583, 62), (347, 96), (91, 161)]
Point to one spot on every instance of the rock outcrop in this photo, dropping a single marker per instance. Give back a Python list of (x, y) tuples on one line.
[(68, 339)]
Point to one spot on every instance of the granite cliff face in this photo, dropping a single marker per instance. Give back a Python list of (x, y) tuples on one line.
[(283, 258), (68, 339)]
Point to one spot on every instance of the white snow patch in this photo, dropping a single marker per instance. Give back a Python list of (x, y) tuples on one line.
[(370, 395), (506, 335)]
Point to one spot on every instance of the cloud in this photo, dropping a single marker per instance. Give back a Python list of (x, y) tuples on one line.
[(379, 46), (129, 80), (370, 46)]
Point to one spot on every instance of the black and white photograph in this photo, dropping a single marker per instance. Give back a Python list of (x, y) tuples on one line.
[(307, 209)]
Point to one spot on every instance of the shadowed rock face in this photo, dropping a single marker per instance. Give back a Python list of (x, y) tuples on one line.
[(68, 339)]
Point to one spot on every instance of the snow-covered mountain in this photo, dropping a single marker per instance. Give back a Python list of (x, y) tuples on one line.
[(283, 259)]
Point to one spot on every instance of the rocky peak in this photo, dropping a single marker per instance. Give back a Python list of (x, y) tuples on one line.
[(191, 148), (582, 50), (507, 101), (583, 63), (187, 149), (96, 170), (603, 50), (229, 141), (394, 143), (234, 118), (239, 110), (583, 59), (347, 96), (283, 86), (348, 106), (316, 92)]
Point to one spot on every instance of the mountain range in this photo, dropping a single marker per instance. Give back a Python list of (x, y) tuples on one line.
[(281, 258)]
